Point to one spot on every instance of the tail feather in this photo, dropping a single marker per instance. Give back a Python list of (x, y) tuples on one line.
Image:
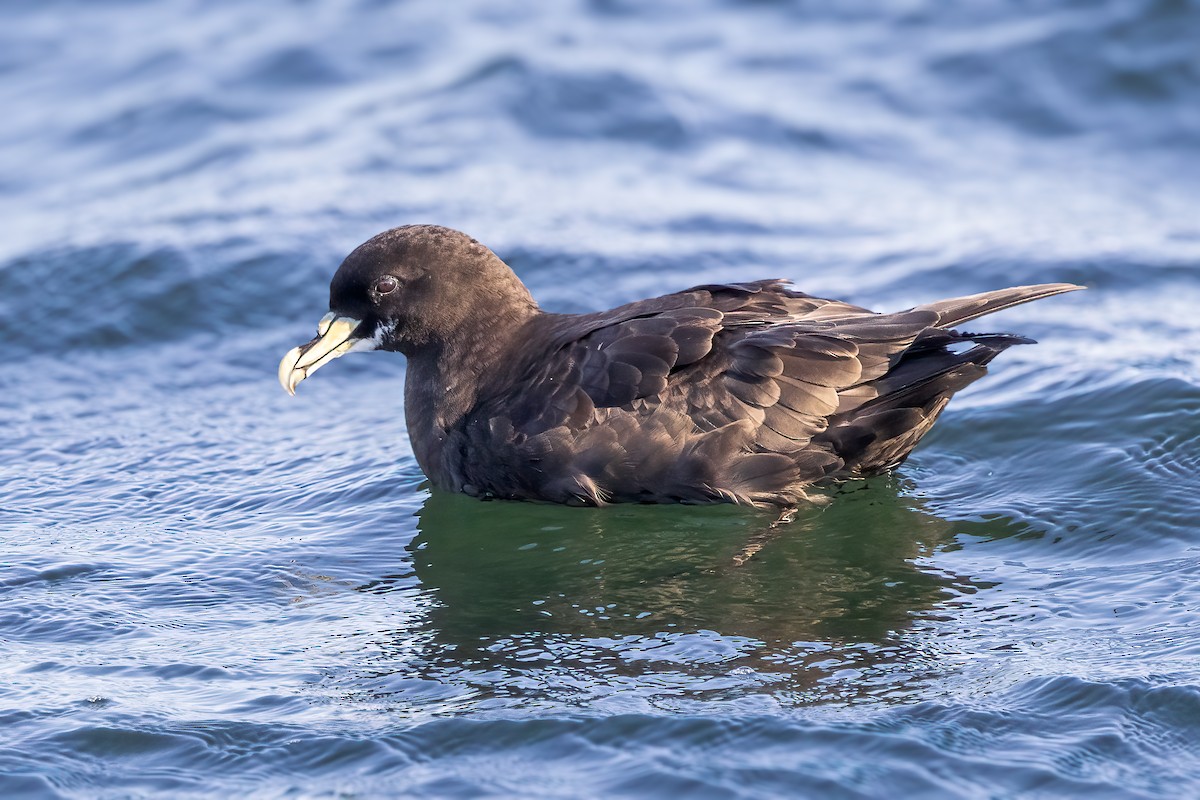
[(873, 434), (879, 420), (958, 310)]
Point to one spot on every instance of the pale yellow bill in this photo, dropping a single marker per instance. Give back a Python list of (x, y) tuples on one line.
[(334, 338)]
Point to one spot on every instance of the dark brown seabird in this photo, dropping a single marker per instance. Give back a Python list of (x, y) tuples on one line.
[(739, 393)]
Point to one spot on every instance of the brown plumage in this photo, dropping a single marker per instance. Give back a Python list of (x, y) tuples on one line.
[(743, 393)]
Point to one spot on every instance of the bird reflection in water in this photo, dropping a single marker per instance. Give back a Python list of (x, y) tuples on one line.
[(654, 603)]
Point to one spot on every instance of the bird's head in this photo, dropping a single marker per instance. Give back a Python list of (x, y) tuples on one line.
[(408, 289)]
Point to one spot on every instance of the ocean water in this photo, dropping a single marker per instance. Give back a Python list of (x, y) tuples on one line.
[(210, 589)]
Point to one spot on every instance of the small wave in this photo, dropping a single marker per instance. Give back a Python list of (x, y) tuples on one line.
[(929, 749), (144, 127), (1103, 733), (1069, 455), (131, 295), (1127, 69), (291, 67), (557, 103)]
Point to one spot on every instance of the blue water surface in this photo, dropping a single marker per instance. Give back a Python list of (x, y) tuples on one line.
[(208, 588)]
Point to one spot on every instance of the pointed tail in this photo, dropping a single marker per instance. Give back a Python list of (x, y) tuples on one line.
[(958, 310)]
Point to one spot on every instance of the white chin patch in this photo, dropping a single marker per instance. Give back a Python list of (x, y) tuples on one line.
[(373, 343)]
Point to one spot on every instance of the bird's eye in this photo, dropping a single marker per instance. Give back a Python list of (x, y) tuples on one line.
[(386, 285)]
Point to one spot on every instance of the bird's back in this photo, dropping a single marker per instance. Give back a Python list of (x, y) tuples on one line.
[(741, 393)]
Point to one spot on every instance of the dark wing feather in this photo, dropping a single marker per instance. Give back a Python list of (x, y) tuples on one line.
[(789, 377), (629, 354), (632, 360), (742, 392), (755, 353), (618, 359)]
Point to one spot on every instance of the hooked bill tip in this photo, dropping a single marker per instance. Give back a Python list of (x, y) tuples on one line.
[(288, 372)]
